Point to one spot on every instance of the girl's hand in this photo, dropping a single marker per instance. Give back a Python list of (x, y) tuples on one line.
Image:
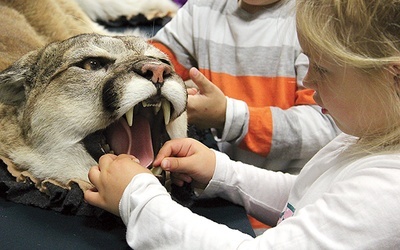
[(110, 178), (188, 160)]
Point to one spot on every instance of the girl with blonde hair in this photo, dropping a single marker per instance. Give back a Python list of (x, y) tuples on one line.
[(346, 196)]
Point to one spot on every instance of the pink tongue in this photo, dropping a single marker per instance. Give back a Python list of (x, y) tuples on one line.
[(135, 140)]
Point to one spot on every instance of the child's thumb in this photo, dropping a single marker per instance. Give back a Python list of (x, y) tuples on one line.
[(173, 164)]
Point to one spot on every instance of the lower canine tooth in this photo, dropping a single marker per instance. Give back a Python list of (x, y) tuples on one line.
[(129, 117), (166, 106), (156, 171), (157, 109)]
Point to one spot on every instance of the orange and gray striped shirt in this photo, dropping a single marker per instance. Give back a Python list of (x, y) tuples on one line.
[(256, 60)]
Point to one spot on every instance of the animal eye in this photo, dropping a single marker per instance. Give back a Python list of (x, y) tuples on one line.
[(93, 63), (165, 61)]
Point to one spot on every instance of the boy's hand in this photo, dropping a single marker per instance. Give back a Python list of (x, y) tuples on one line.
[(207, 107), (188, 160), (110, 178)]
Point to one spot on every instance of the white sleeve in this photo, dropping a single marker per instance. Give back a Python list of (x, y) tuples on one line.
[(263, 197), (352, 214), (236, 122), (155, 221)]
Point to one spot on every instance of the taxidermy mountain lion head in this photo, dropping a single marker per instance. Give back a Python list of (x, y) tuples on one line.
[(65, 105)]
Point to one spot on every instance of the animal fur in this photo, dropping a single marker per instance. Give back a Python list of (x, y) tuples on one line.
[(110, 10), (66, 89), (29, 25)]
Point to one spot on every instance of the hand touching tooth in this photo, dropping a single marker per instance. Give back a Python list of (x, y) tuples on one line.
[(156, 171)]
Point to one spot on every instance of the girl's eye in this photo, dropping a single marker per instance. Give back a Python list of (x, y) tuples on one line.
[(319, 70), (93, 63)]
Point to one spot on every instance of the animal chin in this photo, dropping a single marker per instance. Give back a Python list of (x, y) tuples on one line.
[(140, 132)]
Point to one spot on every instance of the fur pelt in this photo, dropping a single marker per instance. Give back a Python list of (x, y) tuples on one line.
[(66, 85)]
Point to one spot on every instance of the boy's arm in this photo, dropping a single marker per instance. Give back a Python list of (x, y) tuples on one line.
[(297, 132)]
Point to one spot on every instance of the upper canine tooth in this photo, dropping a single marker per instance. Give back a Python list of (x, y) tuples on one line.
[(129, 117), (166, 106)]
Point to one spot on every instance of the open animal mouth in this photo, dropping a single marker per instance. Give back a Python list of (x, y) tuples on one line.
[(140, 132)]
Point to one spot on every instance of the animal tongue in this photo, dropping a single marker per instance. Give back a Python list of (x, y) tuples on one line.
[(135, 140)]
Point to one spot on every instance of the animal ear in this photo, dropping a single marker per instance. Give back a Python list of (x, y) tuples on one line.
[(15, 80)]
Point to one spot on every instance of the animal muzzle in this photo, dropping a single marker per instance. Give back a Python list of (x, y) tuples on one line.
[(142, 130)]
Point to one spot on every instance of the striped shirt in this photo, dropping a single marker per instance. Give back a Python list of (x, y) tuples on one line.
[(256, 60)]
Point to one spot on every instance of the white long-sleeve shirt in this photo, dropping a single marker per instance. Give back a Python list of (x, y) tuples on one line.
[(342, 199)]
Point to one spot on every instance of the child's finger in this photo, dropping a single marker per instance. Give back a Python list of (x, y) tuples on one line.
[(179, 165), (201, 81), (177, 182), (92, 197), (94, 175), (192, 91), (182, 177), (170, 148), (106, 160)]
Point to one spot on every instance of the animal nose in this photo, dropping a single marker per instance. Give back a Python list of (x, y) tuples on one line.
[(156, 72)]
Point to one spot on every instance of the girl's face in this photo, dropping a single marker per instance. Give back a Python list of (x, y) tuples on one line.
[(344, 93)]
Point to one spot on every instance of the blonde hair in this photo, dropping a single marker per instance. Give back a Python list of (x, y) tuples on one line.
[(364, 34)]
